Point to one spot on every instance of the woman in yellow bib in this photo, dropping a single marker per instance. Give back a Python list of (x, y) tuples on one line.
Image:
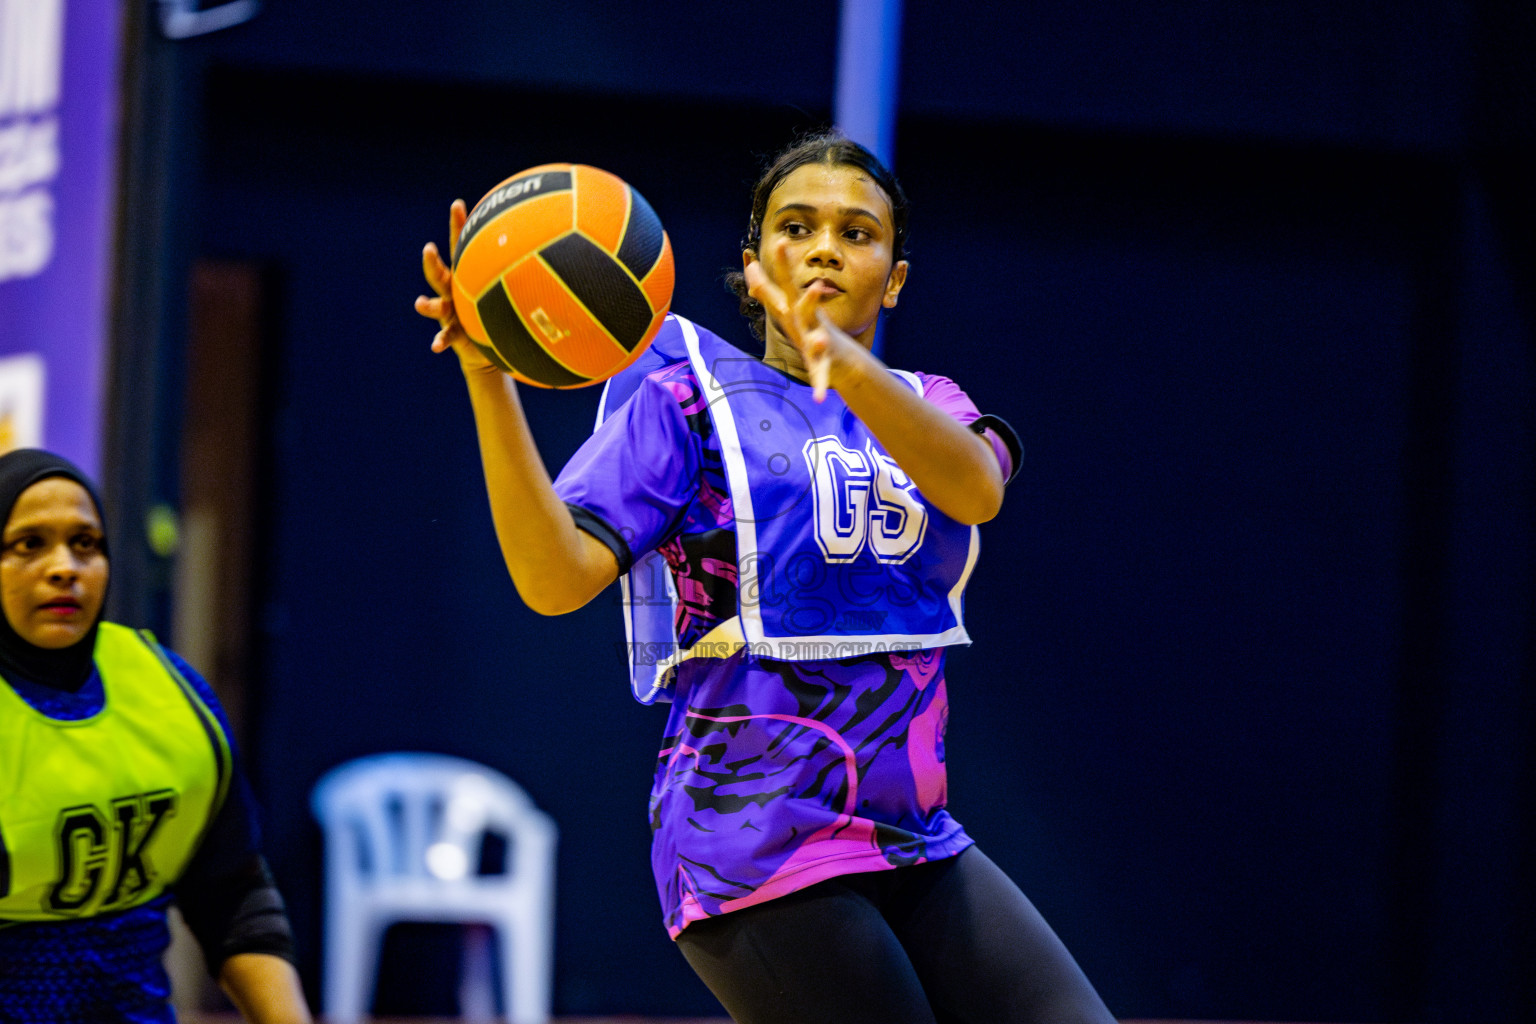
[(118, 790)]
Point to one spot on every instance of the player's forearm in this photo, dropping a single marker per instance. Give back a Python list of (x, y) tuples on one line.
[(264, 988), (555, 566), (954, 468)]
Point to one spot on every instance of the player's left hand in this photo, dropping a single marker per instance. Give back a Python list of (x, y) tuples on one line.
[(439, 275), (805, 325)]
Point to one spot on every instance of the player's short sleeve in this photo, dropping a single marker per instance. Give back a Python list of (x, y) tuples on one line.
[(948, 396), (631, 482)]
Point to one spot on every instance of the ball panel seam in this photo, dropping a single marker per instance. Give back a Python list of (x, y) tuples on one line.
[(505, 196), (518, 346), (599, 282)]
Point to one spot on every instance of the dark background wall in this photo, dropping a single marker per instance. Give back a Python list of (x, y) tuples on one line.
[(1249, 714)]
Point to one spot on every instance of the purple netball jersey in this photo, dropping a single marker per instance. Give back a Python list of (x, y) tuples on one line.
[(773, 774)]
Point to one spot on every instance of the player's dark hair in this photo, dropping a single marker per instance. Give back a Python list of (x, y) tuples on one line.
[(833, 149)]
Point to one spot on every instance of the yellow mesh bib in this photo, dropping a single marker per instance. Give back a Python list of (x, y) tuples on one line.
[(103, 813)]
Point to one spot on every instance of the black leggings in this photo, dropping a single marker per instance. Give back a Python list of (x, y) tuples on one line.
[(949, 941)]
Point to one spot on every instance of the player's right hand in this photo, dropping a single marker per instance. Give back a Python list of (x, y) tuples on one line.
[(439, 277)]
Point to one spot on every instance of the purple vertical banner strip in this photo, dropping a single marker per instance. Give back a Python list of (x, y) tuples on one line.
[(58, 161)]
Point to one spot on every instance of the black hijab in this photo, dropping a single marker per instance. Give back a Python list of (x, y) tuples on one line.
[(64, 668)]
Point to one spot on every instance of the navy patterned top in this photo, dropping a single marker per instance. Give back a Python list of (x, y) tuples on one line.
[(109, 967)]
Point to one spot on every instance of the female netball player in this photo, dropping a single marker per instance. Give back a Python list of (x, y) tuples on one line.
[(119, 791), (817, 513)]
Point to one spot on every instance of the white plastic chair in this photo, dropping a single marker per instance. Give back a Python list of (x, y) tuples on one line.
[(403, 834)]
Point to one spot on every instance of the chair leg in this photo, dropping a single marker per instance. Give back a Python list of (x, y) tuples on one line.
[(351, 965), (477, 984), (525, 970)]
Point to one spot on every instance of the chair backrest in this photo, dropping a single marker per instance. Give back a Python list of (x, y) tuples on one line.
[(392, 817)]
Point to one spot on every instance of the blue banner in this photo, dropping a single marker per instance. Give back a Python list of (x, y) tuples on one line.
[(58, 147)]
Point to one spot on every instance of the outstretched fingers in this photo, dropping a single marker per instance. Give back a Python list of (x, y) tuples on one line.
[(795, 319), (429, 307), (768, 295), (439, 305), (818, 352), (440, 279), (439, 276), (802, 322), (437, 271)]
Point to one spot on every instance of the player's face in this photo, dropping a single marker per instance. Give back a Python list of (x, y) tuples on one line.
[(829, 228), (53, 571)]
